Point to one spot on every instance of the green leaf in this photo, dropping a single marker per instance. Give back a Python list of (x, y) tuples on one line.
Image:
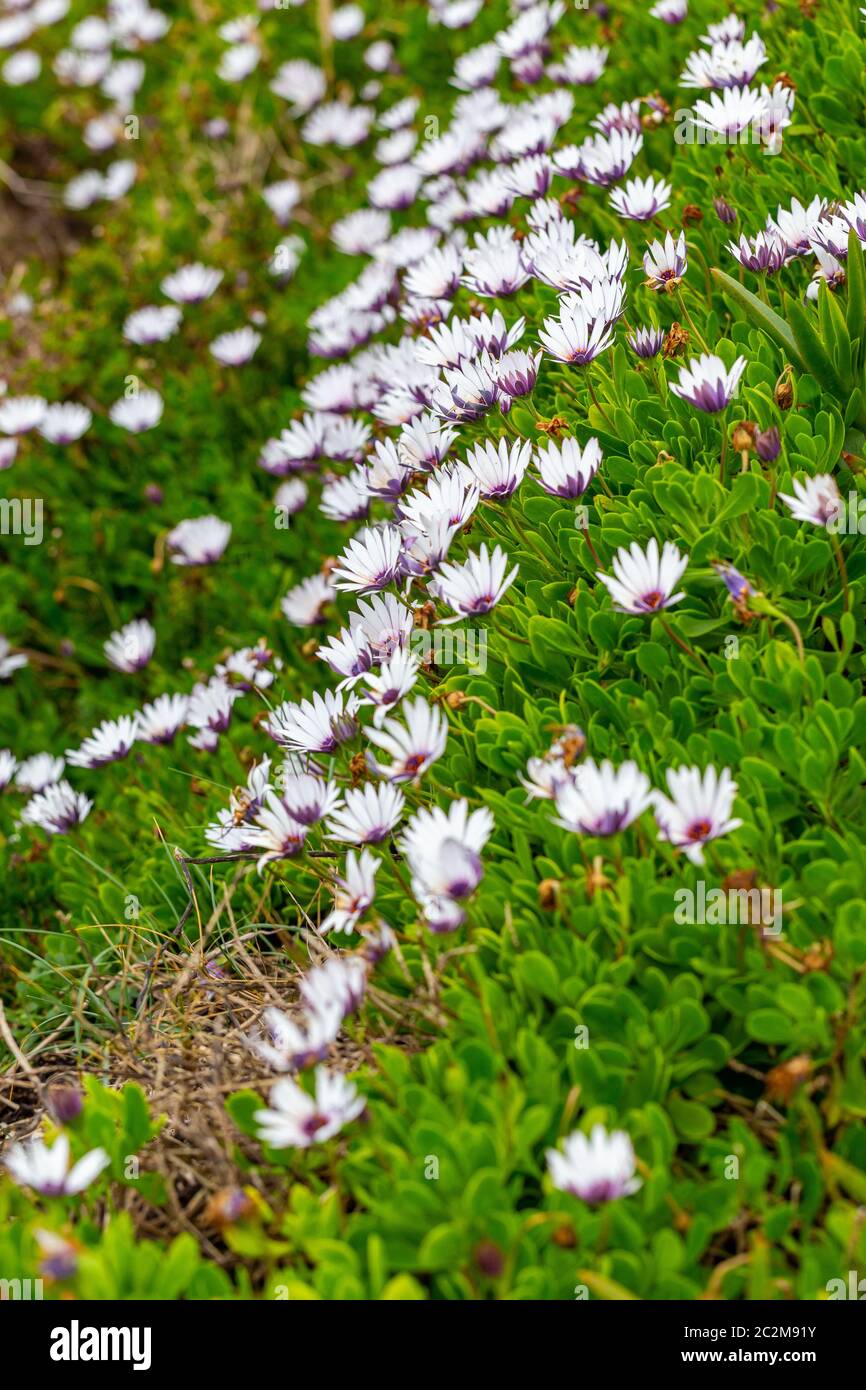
[(769, 1026), (442, 1248), (744, 494), (242, 1107), (856, 279), (812, 350), (763, 317)]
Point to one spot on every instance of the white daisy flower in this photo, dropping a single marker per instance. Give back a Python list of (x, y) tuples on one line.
[(41, 771), (816, 500), (368, 815), (296, 1120), (235, 348), (643, 581), (600, 800), (304, 605), (191, 283), (160, 720), (354, 892), (131, 647), (413, 748), (477, 585), (57, 809), (598, 1169), (109, 742), (20, 414), (137, 413), (697, 810), (47, 1169), (198, 540), (152, 324)]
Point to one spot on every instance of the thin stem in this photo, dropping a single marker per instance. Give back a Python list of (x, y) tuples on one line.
[(775, 612), (591, 546), (690, 321), (599, 407), (324, 18), (512, 521), (509, 636), (684, 646), (843, 572)]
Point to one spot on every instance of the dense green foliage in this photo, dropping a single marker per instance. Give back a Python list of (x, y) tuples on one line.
[(573, 994)]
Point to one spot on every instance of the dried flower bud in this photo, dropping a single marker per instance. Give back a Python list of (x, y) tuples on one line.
[(818, 956), (425, 615), (783, 395), (676, 341), (743, 434), (692, 214), (782, 1081), (548, 894)]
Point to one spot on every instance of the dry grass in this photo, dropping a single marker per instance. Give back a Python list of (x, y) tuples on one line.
[(186, 1047)]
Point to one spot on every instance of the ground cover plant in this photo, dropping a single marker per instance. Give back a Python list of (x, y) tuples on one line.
[(431, 684)]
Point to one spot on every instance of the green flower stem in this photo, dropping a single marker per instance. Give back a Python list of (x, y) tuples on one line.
[(684, 646), (759, 604), (724, 454), (598, 405), (689, 320), (843, 572), (511, 520)]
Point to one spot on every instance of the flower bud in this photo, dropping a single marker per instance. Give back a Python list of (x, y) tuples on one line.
[(783, 393), (743, 434), (65, 1103), (768, 444), (488, 1258), (548, 894)]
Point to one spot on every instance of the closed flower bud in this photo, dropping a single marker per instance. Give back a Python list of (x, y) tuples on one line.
[(65, 1103), (724, 211), (768, 444), (743, 435), (229, 1205), (488, 1258)]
